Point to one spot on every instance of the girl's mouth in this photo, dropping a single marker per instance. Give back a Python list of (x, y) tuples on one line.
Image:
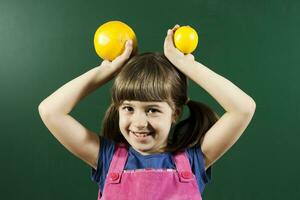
[(141, 134)]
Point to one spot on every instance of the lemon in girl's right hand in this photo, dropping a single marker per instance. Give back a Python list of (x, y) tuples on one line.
[(110, 39), (186, 39)]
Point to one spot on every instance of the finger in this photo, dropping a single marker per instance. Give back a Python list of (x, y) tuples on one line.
[(170, 34), (175, 27), (172, 31), (169, 45), (169, 38), (190, 56), (128, 49), (126, 53), (105, 62)]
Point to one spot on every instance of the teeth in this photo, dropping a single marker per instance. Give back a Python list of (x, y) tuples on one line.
[(140, 134)]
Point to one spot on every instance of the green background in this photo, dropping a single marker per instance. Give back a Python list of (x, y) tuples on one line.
[(254, 44)]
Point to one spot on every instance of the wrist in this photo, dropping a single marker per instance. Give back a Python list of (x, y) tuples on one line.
[(102, 75), (183, 63)]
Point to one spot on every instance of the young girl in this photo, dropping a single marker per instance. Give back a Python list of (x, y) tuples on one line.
[(144, 151)]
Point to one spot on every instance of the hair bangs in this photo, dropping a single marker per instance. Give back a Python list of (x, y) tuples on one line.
[(143, 81)]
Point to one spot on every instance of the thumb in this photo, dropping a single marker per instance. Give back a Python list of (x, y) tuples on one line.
[(126, 53), (128, 48), (190, 56)]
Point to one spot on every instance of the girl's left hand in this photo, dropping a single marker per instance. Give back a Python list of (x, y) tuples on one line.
[(174, 55)]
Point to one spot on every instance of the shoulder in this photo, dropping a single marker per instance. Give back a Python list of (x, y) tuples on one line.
[(106, 151), (107, 146), (104, 158), (195, 154), (197, 162)]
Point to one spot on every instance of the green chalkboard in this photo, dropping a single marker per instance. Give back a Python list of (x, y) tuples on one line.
[(254, 44)]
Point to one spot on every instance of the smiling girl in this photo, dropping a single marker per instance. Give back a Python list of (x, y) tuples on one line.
[(144, 151)]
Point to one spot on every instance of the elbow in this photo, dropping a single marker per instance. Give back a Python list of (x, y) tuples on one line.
[(252, 105), (42, 109), (247, 108), (250, 108)]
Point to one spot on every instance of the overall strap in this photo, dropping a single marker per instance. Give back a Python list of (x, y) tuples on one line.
[(117, 164), (183, 166)]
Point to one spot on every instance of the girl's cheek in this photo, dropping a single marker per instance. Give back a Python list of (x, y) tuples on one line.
[(124, 122)]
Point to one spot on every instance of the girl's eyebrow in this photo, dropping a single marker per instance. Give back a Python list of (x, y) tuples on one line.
[(152, 105)]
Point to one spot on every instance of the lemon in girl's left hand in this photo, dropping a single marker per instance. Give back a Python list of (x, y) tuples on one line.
[(186, 39)]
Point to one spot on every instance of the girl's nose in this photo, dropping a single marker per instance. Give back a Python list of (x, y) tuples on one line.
[(140, 121)]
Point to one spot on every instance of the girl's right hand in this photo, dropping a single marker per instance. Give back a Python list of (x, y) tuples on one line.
[(115, 66)]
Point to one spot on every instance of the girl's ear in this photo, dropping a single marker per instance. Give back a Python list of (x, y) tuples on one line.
[(174, 120), (176, 115)]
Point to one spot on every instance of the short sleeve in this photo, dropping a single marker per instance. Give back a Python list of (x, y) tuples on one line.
[(196, 158), (205, 173), (105, 155)]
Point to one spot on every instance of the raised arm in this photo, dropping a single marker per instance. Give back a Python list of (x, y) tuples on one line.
[(55, 109), (239, 106)]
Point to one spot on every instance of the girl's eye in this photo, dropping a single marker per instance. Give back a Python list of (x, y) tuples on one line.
[(126, 107), (153, 110), (130, 109)]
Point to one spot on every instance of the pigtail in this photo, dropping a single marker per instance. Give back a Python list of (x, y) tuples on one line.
[(110, 125), (189, 132)]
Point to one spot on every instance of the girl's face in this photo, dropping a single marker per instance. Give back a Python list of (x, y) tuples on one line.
[(145, 125)]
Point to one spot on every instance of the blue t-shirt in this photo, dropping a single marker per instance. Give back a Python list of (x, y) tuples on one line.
[(157, 161)]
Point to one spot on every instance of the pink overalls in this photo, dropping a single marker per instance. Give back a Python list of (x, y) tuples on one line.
[(149, 184)]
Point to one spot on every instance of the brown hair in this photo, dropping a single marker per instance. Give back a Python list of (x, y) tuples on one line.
[(150, 76)]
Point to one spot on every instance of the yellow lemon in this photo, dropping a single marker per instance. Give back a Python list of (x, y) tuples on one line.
[(186, 39), (110, 39)]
